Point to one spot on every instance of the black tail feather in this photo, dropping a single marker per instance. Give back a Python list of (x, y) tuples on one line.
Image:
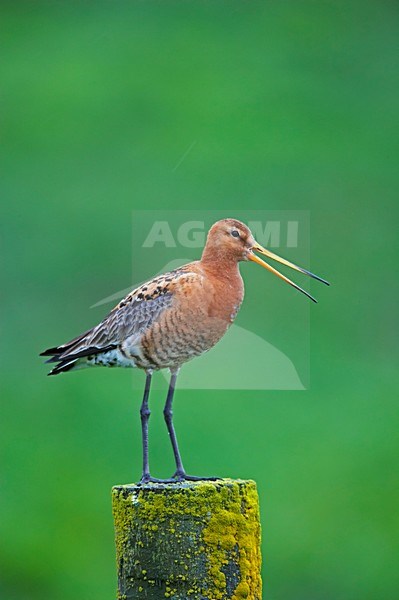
[(50, 352), (62, 367), (66, 357), (64, 347), (92, 350)]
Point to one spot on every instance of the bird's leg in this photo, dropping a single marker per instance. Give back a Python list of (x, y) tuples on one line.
[(145, 415), (180, 474), (168, 415)]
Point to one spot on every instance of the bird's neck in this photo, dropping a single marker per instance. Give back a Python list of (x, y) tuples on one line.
[(222, 268), (216, 257), (227, 284)]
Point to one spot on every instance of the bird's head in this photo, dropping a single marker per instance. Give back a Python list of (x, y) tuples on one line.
[(230, 240)]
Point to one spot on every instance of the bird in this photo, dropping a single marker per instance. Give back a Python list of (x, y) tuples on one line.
[(171, 319)]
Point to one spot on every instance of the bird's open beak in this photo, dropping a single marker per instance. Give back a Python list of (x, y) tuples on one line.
[(258, 248)]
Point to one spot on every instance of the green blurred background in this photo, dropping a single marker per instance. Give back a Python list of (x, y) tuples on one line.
[(293, 105)]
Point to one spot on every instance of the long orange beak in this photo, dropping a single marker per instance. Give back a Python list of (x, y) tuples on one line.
[(258, 248)]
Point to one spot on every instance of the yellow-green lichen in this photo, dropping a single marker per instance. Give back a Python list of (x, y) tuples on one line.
[(198, 540), (233, 532)]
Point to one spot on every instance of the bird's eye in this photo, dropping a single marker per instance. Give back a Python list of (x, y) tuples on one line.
[(235, 233)]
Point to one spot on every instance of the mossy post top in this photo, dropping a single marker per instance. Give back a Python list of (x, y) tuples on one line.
[(198, 540), (185, 485)]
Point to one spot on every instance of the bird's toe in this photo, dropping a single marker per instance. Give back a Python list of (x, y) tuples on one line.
[(182, 476)]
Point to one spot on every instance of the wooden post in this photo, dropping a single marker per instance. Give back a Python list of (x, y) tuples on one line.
[(189, 540)]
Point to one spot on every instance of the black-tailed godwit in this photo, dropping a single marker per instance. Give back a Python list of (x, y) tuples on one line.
[(172, 318)]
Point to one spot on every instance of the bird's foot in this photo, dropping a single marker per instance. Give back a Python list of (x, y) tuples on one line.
[(148, 479), (177, 477), (182, 476)]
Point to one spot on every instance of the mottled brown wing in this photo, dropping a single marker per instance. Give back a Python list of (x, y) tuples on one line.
[(131, 317)]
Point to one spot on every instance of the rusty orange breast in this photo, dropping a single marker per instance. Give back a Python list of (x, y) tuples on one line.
[(204, 305)]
